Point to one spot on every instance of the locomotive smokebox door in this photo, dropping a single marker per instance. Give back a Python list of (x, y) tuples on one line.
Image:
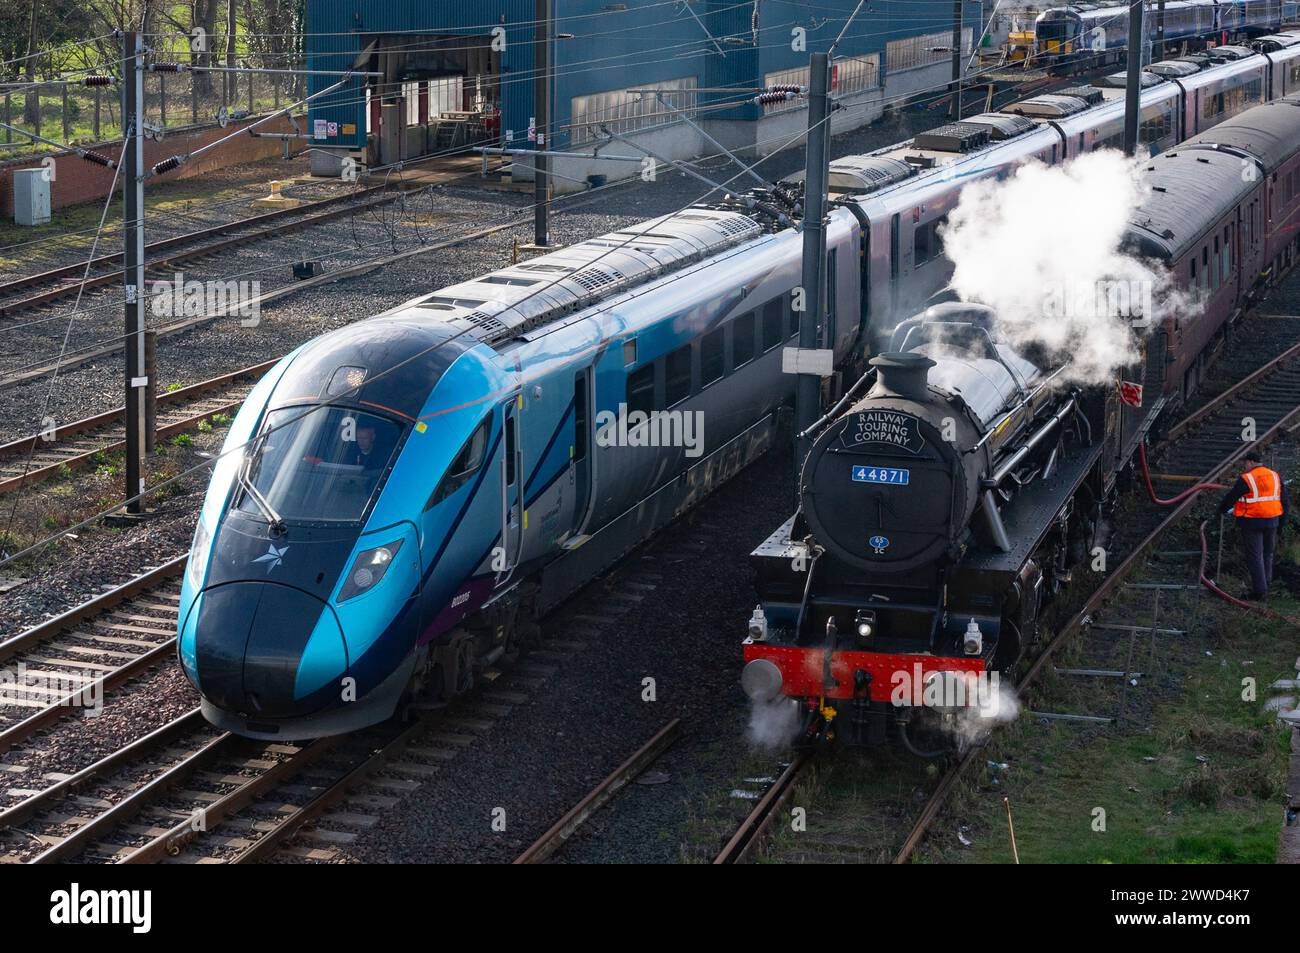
[(881, 485)]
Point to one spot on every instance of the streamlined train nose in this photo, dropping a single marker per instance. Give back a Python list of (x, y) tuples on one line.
[(268, 650)]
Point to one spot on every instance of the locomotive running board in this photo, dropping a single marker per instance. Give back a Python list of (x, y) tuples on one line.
[(572, 570)]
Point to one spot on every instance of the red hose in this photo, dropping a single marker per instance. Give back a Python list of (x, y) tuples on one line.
[(1240, 603), (1205, 580), (1151, 490)]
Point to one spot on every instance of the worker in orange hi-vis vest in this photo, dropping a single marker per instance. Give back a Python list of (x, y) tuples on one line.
[(1259, 501)]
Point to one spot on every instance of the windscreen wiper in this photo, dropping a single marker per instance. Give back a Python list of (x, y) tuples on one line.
[(278, 527)]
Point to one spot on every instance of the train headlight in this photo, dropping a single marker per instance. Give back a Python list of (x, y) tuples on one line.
[(761, 680), (369, 568), (866, 625), (198, 556)]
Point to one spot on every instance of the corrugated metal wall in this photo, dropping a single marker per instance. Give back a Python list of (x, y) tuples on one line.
[(601, 46)]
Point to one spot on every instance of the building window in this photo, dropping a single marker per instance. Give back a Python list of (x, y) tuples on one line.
[(849, 74), (411, 96), (624, 111), (445, 95), (924, 50)]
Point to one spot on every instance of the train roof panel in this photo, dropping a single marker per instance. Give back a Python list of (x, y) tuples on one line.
[(1003, 125), (1269, 132), (1048, 106), (1189, 189), (504, 304), (1174, 68), (954, 137), (866, 173), (1276, 41), (1120, 80)]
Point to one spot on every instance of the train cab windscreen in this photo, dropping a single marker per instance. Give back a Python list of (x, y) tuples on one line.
[(317, 465)]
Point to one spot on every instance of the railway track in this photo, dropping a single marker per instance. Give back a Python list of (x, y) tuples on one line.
[(188, 793), (66, 281), (1197, 449), (559, 832), (71, 663), (39, 457)]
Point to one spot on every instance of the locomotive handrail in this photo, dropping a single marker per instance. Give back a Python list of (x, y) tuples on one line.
[(1039, 435), (1016, 409)]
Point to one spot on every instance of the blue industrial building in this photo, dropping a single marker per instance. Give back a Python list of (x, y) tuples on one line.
[(456, 74)]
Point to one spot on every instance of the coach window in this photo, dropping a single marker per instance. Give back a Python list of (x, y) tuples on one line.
[(641, 389), (677, 376), (772, 319), (1215, 274), (1226, 262), (742, 340), (792, 316), (629, 352), (1205, 267), (713, 357), (1192, 283)]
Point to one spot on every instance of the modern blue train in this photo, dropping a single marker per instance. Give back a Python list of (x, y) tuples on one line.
[(398, 500), (1091, 32)]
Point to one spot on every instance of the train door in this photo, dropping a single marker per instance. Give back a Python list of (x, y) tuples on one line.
[(832, 291), (511, 505), (895, 250), (580, 455)]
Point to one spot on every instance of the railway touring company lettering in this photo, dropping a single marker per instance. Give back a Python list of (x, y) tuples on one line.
[(888, 427), (75, 906)]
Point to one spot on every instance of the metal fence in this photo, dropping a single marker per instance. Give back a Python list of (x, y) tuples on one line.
[(80, 115)]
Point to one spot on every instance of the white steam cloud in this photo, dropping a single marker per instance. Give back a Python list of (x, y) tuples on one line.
[(773, 724), (1042, 247)]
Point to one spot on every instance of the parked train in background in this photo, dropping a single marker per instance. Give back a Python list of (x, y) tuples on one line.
[(400, 499), (1090, 35), (954, 490)]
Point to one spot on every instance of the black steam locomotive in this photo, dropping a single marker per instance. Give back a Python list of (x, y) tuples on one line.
[(937, 513), (940, 510)]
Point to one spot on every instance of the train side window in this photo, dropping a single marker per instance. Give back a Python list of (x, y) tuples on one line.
[(1214, 274), (1193, 276), (713, 357), (1205, 266), (580, 417), (463, 467), (772, 323), (792, 316), (510, 450), (742, 340), (677, 376), (629, 352), (922, 250), (641, 389), (1226, 262)]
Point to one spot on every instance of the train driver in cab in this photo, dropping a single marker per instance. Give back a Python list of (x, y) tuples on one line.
[(1259, 501)]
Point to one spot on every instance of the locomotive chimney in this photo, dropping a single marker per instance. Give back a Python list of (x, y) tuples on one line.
[(902, 373)]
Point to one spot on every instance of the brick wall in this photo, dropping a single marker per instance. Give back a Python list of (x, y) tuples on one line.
[(76, 180)]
